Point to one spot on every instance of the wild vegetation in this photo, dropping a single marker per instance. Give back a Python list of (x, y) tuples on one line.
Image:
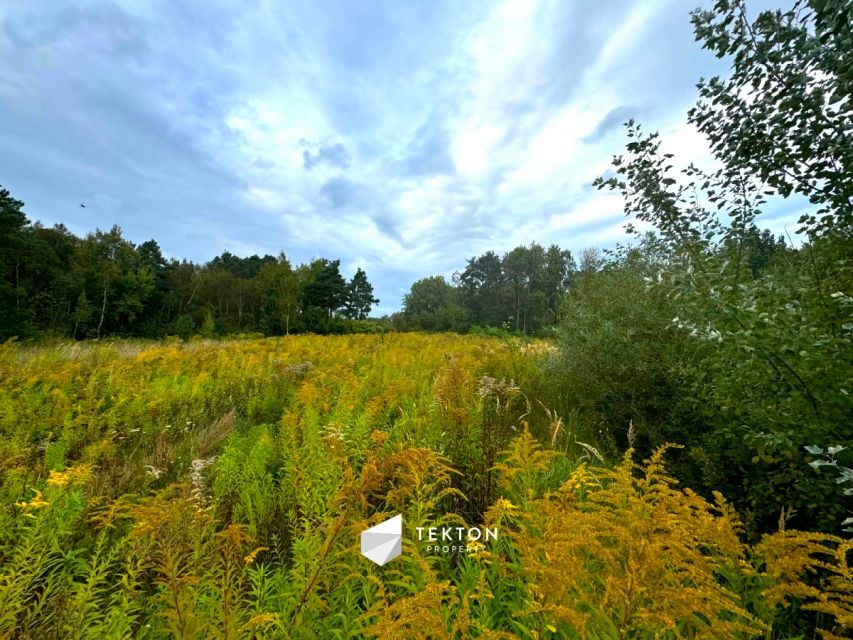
[(707, 330), (218, 489), (673, 461)]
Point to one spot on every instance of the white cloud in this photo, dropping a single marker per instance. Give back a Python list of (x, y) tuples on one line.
[(190, 126)]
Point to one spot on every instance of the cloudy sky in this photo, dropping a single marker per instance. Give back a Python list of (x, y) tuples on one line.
[(400, 137)]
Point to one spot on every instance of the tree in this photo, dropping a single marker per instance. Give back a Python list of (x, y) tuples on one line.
[(208, 327), (182, 284), (184, 326), (279, 288), (227, 296), (113, 279), (328, 290), (760, 248), (783, 115), (152, 318), (12, 245), (482, 290), (559, 268), (526, 278), (51, 281), (775, 335), (82, 313), (359, 296), (432, 304), (246, 268), (151, 256), (515, 266)]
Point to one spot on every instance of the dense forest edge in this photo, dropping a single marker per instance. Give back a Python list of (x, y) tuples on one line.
[(674, 459), (57, 284)]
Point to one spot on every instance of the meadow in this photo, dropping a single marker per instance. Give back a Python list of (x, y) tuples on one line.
[(217, 489)]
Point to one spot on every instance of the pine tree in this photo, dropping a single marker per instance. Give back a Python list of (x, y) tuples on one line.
[(359, 296)]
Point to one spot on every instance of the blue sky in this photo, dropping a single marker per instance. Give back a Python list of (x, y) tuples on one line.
[(400, 137)]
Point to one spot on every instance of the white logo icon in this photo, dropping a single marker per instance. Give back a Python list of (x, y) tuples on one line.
[(383, 542)]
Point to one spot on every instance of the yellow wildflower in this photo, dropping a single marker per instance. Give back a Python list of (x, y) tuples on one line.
[(505, 505), (57, 479), (78, 474), (262, 619), (579, 480), (36, 502), (249, 559), (477, 549)]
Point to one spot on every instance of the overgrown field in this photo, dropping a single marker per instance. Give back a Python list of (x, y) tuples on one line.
[(218, 490)]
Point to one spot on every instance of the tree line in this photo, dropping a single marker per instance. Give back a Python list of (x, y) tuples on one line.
[(53, 282), (520, 292)]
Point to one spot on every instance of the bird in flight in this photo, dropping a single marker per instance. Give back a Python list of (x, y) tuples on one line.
[(82, 205)]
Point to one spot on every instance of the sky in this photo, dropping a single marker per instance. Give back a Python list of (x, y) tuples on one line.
[(399, 137)]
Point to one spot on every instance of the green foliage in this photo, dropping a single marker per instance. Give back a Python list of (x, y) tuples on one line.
[(113, 281), (208, 327), (13, 320), (623, 363), (783, 115), (328, 290), (54, 283), (218, 489), (360, 298), (433, 304), (184, 326), (772, 325), (279, 288), (519, 292), (104, 285), (843, 474)]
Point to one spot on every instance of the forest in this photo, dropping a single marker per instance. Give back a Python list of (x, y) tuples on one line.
[(57, 284), (661, 433)]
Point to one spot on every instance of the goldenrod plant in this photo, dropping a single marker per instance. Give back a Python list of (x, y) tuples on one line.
[(218, 490)]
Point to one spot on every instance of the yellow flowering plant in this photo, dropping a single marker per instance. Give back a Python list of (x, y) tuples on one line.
[(220, 488)]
